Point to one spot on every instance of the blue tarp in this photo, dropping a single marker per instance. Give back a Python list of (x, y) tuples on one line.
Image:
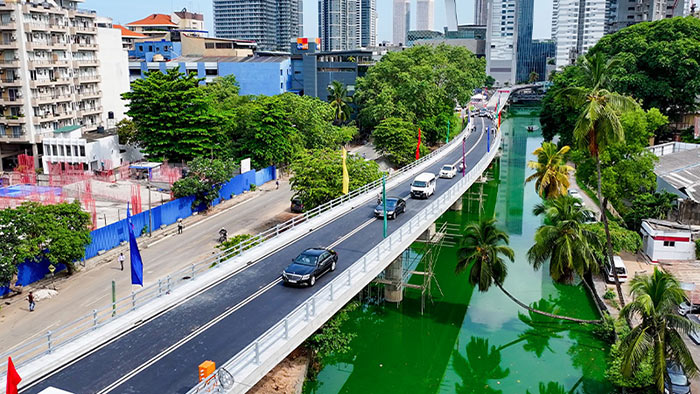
[(111, 236)]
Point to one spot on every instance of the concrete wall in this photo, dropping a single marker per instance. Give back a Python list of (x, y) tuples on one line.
[(103, 149), (660, 246), (114, 70)]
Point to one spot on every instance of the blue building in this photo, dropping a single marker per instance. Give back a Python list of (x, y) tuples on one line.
[(147, 49)]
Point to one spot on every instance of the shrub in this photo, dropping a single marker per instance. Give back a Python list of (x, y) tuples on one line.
[(609, 294), (697, 249), (642, 378)]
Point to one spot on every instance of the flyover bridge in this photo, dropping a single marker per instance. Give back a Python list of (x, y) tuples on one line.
[(531, 92), (239, 314)]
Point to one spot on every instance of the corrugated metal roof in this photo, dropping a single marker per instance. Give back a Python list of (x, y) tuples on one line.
[(682, 171)]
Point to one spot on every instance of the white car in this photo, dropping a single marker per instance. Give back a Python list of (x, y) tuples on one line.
[(448, 171), (574, 193)]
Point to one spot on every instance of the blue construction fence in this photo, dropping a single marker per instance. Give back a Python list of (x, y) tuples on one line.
[(113, 235)]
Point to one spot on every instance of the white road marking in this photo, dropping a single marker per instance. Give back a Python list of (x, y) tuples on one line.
[(351, 233), (186, 339)]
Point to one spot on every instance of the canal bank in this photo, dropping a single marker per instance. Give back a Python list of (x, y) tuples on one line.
[(472, 342)]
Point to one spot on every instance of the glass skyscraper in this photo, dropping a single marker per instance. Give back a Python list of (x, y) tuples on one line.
[(531, 55)]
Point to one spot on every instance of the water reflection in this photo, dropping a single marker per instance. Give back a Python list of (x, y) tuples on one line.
[(482, 364)]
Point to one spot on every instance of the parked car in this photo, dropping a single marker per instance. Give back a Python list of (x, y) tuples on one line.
[(685, 308), (309, 266), (448, 171), (694, 335), (574, 193), (676, 381), (423, 185), (394, 206), (590, 217), (297, 205), (619, 267)]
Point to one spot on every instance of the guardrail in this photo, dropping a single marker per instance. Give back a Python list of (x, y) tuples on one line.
[(49, 341), (264, 353)]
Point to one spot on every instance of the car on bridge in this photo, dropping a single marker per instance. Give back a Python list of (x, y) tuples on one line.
[(394, 206), (423, 185), (448, 171), (309, 266)]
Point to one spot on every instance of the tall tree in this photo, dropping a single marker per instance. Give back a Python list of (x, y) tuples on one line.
[(398, 139), (551, 171), (660, 328), (482, 251), (563, 240), (222, 93), (204, 180), (172, 116), (533, 77), (340, 102), (599, 123)]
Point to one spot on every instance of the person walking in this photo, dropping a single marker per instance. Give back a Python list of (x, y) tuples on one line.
[(277, 183), (179, 226), (30, 298), (121, 261)]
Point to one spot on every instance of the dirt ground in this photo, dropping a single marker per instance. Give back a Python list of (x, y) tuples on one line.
[(287, 377)]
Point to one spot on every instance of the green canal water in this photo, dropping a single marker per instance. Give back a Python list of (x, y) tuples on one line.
[(472, 342)]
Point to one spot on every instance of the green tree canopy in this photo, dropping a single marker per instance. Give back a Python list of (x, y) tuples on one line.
[(318, 175), (222, 93), (33, 231), (648, 206), (418, 83), (659, 63), (551, 171), (172, 116), (621, 239), (204, 180), (340, 102), (313, 118), (397, 139)]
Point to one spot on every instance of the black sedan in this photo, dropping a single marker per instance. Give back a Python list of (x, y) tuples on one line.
[(394, 206), (309, 265)]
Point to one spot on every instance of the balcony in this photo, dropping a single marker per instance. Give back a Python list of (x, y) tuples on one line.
[(36, 26), (58, 27), (86, 63), (59, 45), (14, 101), (83, 46), (60, 62), (82, 12), (9, 44), (6, 82), (89, 111), (9, 63), (61, 97), (89, 94), (40, 82), (88, 79), (47, 117), (34, 45), (39, 63), (43, 99), (65, 115), (9, 25), (14, 135), (83, 30), (63, 81), (4, 6), (13, 120)]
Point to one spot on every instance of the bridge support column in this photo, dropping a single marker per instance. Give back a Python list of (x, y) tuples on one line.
[(428, 233), (394, 273), (457, 206)]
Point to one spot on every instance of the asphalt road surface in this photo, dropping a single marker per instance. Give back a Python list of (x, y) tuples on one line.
[(162, 355)]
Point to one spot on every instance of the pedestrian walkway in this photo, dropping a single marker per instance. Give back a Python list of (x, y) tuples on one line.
[(163, 253)]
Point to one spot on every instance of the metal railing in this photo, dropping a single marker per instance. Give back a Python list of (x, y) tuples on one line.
[(330, 298), (49, 341)]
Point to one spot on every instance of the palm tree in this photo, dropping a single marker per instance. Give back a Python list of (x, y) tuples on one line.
[(656, 298), (481, 251), (551, 171), (483, 363), (599, 124), (563, 240), (534, 76), (339, 99)]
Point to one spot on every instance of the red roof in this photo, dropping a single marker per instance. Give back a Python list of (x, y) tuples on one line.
[(154, 20), (128, 33)]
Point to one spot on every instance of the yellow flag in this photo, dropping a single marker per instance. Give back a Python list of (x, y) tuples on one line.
[(346, 177)]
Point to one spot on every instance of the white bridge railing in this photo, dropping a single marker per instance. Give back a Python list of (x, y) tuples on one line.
[(50, 341), (254, 361)]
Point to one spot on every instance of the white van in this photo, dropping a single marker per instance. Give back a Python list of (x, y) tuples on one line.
[(619, 267), (423, 186)]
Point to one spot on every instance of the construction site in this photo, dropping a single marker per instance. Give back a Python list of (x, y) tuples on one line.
[(103, 194)]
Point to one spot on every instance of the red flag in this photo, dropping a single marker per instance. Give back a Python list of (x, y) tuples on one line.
[(499, 120), (13, 378), (418, 147)]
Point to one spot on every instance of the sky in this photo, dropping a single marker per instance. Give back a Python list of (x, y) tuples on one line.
[(125, 11)]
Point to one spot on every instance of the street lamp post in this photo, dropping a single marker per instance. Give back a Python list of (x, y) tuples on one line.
[(384, 202)]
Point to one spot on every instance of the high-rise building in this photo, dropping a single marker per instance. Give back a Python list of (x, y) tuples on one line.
[(577, 25), (425, 14), (272, 24), (50, 73), (623, 14), (402, 21), (501, 41), (347, 24), (481, 12)]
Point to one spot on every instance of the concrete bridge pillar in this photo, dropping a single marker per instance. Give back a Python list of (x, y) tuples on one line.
[(457, 206), (394, 273), (428, 234)]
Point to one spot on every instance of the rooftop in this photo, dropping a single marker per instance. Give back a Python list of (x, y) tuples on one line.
[(154, 20), (668, 226), (682, 171), (66, 129), (128, 33), (231, 59)]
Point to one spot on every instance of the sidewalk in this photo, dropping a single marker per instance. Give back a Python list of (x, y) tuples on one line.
[(163, 253)]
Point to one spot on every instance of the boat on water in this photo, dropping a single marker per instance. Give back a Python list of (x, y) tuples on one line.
[(532, 128)]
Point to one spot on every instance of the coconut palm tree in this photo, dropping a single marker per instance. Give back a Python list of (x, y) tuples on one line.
[(533, 77), (482, 251), (339, 99), (551, 171), (599, 123), (563, 240), (656, 298), (482, 364)]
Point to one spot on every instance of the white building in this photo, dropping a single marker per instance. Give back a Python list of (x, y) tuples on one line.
[(577, 25), (425, 14), (50, 71), (402, 21), (114, 68), (501, 37), (70, 145), (664, 241)]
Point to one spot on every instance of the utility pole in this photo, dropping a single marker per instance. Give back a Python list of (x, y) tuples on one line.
[(384, 202), (114, 299)]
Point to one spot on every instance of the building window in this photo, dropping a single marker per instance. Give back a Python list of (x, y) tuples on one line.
[(150, 48), (212, 72), (209, 45), (82, 151), (141, 48), (670, 244)]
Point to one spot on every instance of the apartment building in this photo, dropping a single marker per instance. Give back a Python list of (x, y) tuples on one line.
[(50, 73), (402, 21), (624, 13), (577, 25), (425, 14), (347, 24), (501, 41)]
